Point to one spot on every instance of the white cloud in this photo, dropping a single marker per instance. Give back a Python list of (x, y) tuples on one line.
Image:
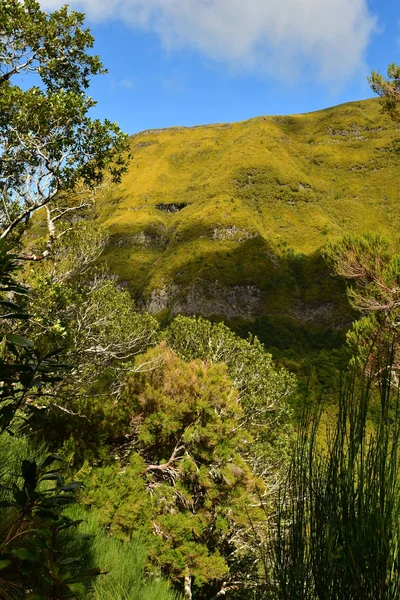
[(322, 38), (128, 84)]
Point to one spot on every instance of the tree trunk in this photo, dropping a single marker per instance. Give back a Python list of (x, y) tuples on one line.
[(188, 587)]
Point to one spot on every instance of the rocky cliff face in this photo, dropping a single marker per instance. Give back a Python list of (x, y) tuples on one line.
[(212, 299), (208, 298)]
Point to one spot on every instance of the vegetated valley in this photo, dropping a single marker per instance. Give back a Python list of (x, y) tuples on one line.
[(199, 356)]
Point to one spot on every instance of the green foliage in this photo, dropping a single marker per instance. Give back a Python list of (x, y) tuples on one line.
[(202, 418), (99, 332), (186, 481), (31, 547), (264, 390), (97, 323), (38, 42), (31, 559), (374, 275), (24, 369), (182, 448), (388, 89), (46, 135), (287, 339), (360, 258), (77, 307)]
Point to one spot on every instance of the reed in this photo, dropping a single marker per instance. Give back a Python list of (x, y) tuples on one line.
[(336, 530)]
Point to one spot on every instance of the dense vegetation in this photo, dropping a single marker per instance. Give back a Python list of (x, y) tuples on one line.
[(160, 459), (227, 220)]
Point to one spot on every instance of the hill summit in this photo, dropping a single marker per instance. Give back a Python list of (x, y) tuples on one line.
[(228, 220)]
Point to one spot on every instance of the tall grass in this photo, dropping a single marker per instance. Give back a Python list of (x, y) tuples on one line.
[(336, 530), (123, 565)]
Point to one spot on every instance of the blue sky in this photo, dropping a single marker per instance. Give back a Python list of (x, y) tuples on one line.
[(189, 62)]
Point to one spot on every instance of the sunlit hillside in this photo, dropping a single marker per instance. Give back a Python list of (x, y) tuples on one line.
[(227, 219)]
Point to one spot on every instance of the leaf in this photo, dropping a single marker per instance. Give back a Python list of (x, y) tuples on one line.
[(76, 588), (74, 485), (18, 367), (24, 554), (9, 304), (52, 477), (90, 573), (18, 340), (64, 500), (6, 416), (7, 504), (46, 514), (49, 460), (29, 473), (14, 288), (15, 316), (4, 564)]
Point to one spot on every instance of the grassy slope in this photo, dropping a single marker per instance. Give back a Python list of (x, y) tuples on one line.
[(288, 184)]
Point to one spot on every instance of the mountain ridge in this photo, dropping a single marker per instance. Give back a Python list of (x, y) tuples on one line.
[(227, 220), (242, 121)]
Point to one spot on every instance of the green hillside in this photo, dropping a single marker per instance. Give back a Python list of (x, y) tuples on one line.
[(227, 220)]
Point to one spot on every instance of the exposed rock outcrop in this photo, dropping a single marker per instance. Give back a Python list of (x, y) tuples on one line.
[(208, 299)]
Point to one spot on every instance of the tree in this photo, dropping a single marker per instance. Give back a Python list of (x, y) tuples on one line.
[(76, 306), (371, 267), (33, 528), (388, 89), (23, 368), (373, 274), (52, 157), (52, 154), (264, 390), (184, 478)]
